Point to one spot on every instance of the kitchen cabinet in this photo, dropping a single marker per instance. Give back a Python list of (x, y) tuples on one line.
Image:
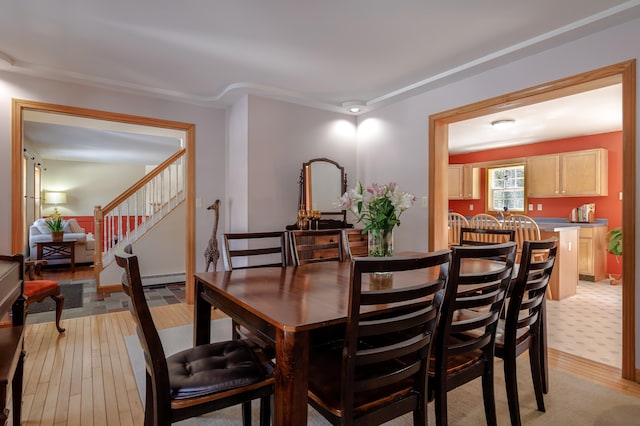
[(464, 182), (568, 174), (564, 278), (592, 253)]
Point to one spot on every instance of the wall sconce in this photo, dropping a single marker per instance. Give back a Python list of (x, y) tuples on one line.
[(55, 198)]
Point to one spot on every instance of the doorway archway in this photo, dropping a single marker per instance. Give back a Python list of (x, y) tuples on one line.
[(17, 215), (624, 73)]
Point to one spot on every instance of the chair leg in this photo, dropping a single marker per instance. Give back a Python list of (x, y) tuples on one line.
[(537, 373), (441, 405), (246, 413), (265, 411), (511, 382), (59, 299), (488, 394), (149, 406)]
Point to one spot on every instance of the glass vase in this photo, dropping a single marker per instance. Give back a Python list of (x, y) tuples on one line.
[(381, 243)]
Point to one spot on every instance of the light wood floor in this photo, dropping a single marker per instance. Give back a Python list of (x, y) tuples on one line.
[(83, 377)]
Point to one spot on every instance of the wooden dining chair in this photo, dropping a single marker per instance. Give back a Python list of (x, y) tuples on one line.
[(521, 330), (258, 250), (483, 236), (455, 222), (198, 380), (356, 244), (464, 344), (316, 246), (525, 229), (255, 249), (36, 289), (378, 370), (484, 221)]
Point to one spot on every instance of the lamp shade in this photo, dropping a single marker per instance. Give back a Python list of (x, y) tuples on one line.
[(55, 197)]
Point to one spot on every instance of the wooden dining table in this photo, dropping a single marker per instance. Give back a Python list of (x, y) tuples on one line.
[(288, 304)]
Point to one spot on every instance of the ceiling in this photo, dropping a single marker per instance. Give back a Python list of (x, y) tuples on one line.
[(317, 53)]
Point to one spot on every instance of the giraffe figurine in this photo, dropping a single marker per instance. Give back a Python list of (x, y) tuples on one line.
[(211, 254)]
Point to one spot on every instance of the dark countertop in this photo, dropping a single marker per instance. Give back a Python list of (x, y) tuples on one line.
[(554, 224)]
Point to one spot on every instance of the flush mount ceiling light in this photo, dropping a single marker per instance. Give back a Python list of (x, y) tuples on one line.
[(503, 124), (354, 107)]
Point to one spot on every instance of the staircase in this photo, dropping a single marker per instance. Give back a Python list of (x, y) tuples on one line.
[(138, 209)]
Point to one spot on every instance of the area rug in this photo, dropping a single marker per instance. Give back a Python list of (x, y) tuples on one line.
[(570, 400), (72, 292)]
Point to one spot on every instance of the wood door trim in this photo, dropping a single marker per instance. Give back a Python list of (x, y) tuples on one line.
[(624, 73), (18, 108)]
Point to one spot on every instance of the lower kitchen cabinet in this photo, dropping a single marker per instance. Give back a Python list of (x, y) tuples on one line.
[(592, 253)]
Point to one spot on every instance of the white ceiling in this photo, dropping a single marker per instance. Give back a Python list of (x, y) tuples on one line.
[(317, 53)]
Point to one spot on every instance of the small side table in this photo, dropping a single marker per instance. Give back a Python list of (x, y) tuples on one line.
[(56, 250)]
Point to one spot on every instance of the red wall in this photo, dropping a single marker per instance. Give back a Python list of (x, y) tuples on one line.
[(609, 207)]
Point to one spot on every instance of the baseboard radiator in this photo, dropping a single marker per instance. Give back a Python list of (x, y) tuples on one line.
[(163, 279)]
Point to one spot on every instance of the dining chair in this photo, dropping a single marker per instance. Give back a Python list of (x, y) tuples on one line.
[(256, 249), (521, 330), (525, 229), (356, 244), (316, 246), (378, 370), (455, 222), (197, 380), (37, 289), (483, 236), (464, 347), (484, 221)]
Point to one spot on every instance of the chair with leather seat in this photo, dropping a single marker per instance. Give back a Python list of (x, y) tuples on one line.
[(37, 289), (316, 246), (377, 370), (521, 330), (198, 380), (464, 346)]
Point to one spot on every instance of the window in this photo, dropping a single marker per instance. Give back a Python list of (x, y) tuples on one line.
[(505, 188)]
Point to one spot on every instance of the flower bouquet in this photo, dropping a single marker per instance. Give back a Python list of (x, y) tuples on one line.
[(55, 225), (379, 208)]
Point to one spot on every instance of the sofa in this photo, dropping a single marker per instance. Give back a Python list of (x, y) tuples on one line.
[(85, 243)]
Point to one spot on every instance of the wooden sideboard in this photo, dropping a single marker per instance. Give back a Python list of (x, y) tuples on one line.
[(11, 337)]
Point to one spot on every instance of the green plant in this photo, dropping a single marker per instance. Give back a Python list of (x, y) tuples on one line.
[(614, 241), (54, 222)]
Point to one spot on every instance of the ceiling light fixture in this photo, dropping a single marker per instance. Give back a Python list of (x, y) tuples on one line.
[(503, 124), (354, 107)]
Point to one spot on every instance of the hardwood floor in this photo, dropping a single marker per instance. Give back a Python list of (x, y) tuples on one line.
[(83, 377)]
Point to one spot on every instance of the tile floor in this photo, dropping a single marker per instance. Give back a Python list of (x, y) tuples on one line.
[(95, 303), (588, 324)]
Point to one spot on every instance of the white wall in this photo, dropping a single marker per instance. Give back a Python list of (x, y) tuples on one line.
[(393, 143), (210, 132), (87, 184), (282, 136)]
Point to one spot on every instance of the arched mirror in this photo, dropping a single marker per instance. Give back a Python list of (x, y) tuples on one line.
[(322, 182)]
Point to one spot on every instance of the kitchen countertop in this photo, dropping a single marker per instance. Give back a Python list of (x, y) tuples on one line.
[(552, 224)]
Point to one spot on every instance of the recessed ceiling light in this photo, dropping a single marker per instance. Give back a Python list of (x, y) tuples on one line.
[(354, 107), (503, 124)]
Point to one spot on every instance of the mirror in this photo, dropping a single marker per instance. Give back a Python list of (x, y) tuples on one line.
[(322, 182)]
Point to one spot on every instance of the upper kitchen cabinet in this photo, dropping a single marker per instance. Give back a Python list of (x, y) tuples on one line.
[(464, 182), (568, 174)]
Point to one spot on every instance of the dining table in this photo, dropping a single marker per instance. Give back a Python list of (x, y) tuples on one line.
[(290, 304)]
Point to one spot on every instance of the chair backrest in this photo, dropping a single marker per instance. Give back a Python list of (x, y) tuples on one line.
[(484, 221), (525, 228), (316, 246), (154, 355), (455, 222), (529, 289), (356, 244), (479, 279), (405, 334), (480, 237), (258, 249)]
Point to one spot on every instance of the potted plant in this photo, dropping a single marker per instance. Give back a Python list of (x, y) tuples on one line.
[(55, 225), (614, 246)]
